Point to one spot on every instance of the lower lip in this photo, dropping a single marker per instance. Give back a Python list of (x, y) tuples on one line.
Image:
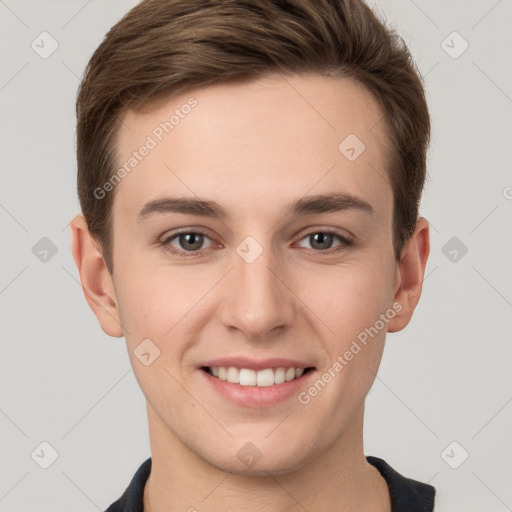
[(257, 396)]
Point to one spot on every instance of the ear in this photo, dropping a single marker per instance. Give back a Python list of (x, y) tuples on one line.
[(411, 271), (97, 283)]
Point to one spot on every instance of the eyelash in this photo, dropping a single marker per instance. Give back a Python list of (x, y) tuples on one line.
[(344, 242)]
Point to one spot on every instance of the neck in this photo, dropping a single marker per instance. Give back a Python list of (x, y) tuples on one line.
[(338, 479)]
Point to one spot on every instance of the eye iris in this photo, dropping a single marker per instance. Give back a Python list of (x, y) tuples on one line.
[(191, 241), (317, 239)]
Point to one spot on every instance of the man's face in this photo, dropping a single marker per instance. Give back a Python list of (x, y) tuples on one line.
[(265, 286)]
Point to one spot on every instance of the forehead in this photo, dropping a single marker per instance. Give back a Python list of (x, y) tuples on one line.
[(240, 142)]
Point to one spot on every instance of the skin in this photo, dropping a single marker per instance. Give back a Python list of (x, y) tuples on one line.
[(254, 148)]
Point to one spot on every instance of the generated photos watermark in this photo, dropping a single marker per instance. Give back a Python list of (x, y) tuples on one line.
[(355, 348), (156, 136)]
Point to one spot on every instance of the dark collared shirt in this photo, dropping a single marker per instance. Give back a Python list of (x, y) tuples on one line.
[(407, 495)]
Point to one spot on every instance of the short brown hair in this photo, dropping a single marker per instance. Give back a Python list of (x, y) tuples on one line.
[(163, 47)]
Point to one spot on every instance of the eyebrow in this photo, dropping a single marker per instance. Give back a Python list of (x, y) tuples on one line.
[(310, 205)]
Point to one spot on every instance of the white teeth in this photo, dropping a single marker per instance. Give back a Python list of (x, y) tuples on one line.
[(290, 374), (279, 376), (247, 377), (260, 378), (265, 378), (233, 375)]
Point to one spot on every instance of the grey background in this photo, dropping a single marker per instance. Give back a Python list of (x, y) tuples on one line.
[(445, 378)]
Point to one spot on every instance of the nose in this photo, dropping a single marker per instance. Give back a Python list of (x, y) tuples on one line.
[(257, 300)]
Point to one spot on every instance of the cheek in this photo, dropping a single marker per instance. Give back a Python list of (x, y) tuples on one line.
[(348, 298), (153, 312), (168, 305), (352, 304), (150, 304)]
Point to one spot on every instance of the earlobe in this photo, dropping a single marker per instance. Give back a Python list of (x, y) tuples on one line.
[(97, 283), (411, 271)]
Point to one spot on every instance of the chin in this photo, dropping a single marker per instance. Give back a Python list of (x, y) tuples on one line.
[(274, 467), (259, 458)]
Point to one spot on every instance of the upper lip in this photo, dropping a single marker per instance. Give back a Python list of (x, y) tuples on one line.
[(256, 364)]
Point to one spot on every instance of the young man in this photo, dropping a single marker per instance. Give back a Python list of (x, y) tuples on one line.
[(249, 174)]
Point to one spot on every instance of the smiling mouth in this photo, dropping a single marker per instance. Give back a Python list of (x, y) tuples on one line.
[(258, 378)]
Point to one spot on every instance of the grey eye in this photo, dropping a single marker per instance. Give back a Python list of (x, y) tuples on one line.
[(323, 241), (189, 241)]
